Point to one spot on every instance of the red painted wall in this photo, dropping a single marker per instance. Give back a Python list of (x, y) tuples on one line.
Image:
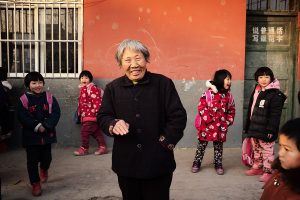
[(298, 26), (187, 39)]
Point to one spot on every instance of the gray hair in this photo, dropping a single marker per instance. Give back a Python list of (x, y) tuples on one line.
[(133, 45)]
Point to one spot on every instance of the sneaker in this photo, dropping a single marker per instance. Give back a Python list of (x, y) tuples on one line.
[(36, 189), (220, 170), (195, 167), (81, 151), (101, 150), (43, 175), (253, 172), (265, 177)]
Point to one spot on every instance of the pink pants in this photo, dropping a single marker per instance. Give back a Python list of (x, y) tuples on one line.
[(93, 129), (263, 154)]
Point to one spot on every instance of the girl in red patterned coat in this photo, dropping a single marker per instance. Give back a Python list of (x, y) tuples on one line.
[(89, 102), (217, 113)]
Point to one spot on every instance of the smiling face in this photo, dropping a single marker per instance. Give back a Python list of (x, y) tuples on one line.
[(84, 80), (134, 64), (36, 87), (289, 155), (264, 81), (227, 83)]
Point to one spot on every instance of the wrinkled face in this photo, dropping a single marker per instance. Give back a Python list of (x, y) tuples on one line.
[(134, 64), (289, 155), (227, 83), (264, 81), (36, 87), (84, 80)]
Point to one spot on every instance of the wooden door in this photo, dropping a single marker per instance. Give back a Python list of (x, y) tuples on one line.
[(271, 42)]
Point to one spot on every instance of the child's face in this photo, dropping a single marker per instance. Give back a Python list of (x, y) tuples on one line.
[(84, 80), (289, 155), (264, 81), (36, 87), (227, 83)]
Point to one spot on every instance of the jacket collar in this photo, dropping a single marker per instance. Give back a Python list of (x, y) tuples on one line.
[(145, 80)]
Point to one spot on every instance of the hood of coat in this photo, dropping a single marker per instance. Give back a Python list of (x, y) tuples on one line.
[(7, 85), (211, 86), (274, 85)]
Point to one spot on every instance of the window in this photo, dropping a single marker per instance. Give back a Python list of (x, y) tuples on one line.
[(271, 5), (41, 36)]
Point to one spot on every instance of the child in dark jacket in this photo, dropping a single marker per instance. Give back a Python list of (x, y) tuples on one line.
[(217, 110), (5, 117), (89, 103), (263, 121), (38, 113), (285, 183)]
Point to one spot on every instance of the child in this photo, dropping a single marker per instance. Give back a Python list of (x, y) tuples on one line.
[(285, 184), (3, 79), (38, 118), (263, 121), (89, 102), (216, 116), (5, 117)]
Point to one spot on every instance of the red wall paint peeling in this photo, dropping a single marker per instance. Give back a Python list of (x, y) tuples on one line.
[(187, 39)]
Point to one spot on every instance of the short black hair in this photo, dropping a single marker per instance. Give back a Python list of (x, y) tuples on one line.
[(33, 76), (264, 71), (86, 73), (291, 129), (3, 74), (219, 77)]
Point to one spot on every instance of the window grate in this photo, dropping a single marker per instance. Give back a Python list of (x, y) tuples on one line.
[(271, 5), (41, 36)]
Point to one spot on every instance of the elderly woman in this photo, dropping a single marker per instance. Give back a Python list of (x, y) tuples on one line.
[(144, 114)]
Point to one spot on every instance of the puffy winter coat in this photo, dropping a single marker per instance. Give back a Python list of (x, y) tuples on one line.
[(215, 118), (89, 102), (265, 118), (277, 189), (38, 113), (153, 109)]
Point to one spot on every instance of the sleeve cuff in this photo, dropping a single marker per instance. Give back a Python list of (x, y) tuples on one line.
[(37, 127), (111, 126)]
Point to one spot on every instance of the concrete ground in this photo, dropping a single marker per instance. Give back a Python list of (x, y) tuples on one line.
[(91, 178)]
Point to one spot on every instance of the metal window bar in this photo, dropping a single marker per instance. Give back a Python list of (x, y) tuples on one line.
[(67, 37), (36, 38), (74, 37), (7, 36), (30, 52), (52, 47), (59, 38), (25, 11), (22, 36)]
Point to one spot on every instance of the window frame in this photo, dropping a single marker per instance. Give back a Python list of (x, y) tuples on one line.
[(39, 41)]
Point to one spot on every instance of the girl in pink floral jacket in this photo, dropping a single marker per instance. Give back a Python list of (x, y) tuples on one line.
[(217, 110), (89, 102)]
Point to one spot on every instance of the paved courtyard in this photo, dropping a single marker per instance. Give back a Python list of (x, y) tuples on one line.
[(91, 178)]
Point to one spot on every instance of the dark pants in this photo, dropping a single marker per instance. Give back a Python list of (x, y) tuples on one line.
[(218, 153), (37, 154), (145, 189), (93, 129), (4, 120)]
